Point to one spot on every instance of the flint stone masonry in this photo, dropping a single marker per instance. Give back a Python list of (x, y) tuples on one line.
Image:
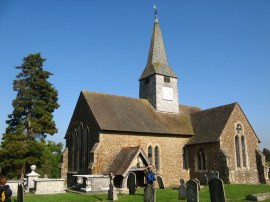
[(49, 186), (110, 146), (153, 91)]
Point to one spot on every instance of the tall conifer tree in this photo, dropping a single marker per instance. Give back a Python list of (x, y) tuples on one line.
[(31, 119)]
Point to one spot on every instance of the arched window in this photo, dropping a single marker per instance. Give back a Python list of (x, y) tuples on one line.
[(150, 154), (201, 160), (74, 136), (240, 147), (185, 158), (237, 151), (157, 158), (244, 157)]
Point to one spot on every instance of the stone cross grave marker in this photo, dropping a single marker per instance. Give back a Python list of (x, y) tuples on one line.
[(213, 174), (160, 182), (182, 190), (131, 183), (216, 189), (192, 191), (112, 195)]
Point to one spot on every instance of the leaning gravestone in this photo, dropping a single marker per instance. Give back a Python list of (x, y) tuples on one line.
[(216, 188), (112, 195), (160, 182), (182, 190), (192, 191), (199, 184), (131, 183), (149, 193)]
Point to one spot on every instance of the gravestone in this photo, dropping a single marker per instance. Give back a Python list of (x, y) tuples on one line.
[(182, 190), (131, 183), (112, 195), (199, 184), (211, 175), (20, 193), (216, 174), (192, 191), (216, 189), (149, 193), (160, 182), (206, 179)]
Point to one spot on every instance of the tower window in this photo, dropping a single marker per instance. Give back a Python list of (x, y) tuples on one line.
[(166, 79)]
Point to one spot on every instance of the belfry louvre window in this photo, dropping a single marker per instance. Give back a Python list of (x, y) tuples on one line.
[(201, 163), (167, 79)]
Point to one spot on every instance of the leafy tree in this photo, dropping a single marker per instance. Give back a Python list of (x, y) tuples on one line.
[(31, 119), (51, 157), (266, 153)]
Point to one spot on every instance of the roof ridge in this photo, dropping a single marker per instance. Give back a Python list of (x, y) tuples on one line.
[(214, 108)]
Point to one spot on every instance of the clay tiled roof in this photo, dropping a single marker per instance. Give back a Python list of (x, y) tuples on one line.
[(209, 124), (118, 113), (123, 160)]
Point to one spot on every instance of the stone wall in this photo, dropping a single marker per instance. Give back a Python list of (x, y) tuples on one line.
[(153, 91), (248, 174), (170, 151), (214, 161)]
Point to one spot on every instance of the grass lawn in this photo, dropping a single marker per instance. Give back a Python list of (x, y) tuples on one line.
[(233, 193)]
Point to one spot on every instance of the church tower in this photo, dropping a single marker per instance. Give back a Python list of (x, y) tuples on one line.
[(158, 82)]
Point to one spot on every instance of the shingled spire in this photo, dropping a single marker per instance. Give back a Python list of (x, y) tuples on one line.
[(158, 82), (157, 62)]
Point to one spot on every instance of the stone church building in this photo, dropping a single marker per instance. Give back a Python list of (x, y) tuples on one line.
[(122, 135)]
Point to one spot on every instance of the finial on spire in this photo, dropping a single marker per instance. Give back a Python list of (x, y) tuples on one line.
[(156, 17)]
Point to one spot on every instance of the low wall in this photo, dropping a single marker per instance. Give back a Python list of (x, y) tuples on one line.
[(13, 184), (49, 186)]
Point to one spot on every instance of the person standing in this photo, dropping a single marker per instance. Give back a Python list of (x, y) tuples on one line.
[(4, 187)]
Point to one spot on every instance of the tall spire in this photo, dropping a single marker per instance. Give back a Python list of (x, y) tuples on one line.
[(156, 17), (157, 62)]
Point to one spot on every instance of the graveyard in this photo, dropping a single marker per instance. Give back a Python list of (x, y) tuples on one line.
[(233, 193)]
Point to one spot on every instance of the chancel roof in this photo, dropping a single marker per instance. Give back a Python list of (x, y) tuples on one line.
[(208, 124), (118, 113)]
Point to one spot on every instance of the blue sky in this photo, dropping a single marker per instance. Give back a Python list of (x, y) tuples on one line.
[(220, 51)]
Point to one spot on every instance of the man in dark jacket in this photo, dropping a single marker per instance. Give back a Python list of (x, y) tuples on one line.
[(6, 188)]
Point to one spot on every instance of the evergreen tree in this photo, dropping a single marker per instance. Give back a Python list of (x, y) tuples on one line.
[(31, 119)]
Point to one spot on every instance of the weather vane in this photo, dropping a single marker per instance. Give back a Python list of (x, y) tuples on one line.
[(155, 9)]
